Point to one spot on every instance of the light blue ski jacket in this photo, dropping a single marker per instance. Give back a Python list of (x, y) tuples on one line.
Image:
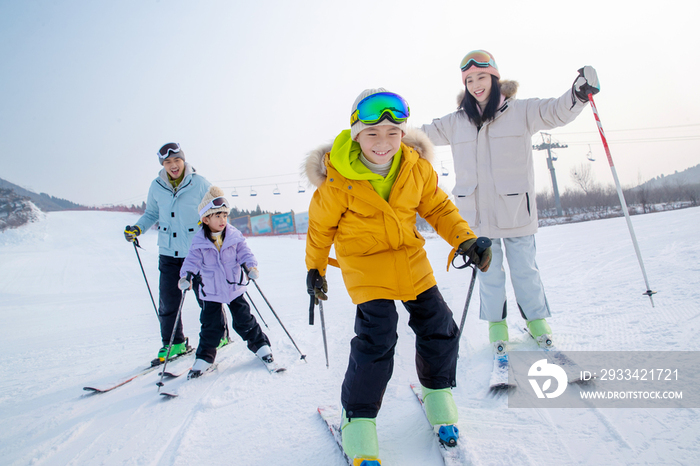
[(175, 210)]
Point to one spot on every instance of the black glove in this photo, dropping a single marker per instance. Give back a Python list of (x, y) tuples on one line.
[(131, 232), (586, 83), (469, 250), (316, 285)]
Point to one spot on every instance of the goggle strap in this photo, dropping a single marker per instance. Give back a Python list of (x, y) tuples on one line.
[(212, 204)]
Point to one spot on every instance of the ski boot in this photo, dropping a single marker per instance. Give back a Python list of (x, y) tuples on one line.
[(224, 341), (265, 353), (442, 414), (541, 332), (176, 350), (199, 367), (498, 336), (360, 442)]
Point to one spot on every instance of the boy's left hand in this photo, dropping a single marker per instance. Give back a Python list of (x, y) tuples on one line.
[(468, 249), (316, 285)]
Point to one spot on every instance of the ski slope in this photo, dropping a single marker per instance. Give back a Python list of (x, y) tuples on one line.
[(75, 311)]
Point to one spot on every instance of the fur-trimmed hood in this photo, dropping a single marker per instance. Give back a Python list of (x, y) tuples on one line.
[(508, 90), (314, 167)]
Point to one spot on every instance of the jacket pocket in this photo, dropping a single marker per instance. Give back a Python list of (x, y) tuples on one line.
[(209, 286), (512, 210), (357, 246), (230, 262), (465, 200), (164, 235)]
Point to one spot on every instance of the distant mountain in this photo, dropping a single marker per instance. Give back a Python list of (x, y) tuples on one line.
[(689, 176), (43, 201)]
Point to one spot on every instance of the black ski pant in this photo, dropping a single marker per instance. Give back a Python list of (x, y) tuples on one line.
[(170, 297), (372, 350), (213, 329)]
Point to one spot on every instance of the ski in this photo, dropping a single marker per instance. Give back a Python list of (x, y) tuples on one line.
[(499, 375), (152, 367), (331, 416), (174, 393), (572, 369), (452, 455), (272, 367)]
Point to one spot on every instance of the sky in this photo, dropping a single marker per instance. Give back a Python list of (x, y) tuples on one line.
[(89, 90)]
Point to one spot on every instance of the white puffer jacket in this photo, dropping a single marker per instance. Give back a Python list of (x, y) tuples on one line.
[(495, 178)]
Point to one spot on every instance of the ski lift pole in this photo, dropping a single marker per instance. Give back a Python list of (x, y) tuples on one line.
[(303, 356), (136, 246), (622, 198)]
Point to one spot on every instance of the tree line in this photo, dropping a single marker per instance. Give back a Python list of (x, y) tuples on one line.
[(590, 197)]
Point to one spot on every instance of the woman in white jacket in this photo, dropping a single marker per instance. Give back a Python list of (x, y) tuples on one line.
[(491, 139)]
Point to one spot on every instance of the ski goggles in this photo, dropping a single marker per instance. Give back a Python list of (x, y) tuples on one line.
[(216, 202), (477, 58), (376, 107), (165, 151)]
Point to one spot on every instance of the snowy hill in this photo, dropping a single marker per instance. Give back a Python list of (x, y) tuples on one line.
[(43, 201), (689, 176), (75, 311)]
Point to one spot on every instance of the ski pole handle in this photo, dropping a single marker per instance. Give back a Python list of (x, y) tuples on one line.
[(311, 311), (482, 244)]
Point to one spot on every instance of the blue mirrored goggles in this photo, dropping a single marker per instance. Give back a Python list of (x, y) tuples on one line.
[(216, 202), (165, 151), (377, 107)]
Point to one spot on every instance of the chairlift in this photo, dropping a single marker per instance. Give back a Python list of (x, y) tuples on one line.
[(554, 156), (301, 188), (276, 191), (589, 155), (253, 192), (445, 172), (234, 193)]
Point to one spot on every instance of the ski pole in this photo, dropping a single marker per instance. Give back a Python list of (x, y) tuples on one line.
[(323, 330), (136, 246), (256, 309), (466, 304), (620, 194), (172, 335), (482, 243), (303, 356)]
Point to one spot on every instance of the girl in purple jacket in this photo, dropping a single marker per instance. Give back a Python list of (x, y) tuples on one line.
[(216, 256)]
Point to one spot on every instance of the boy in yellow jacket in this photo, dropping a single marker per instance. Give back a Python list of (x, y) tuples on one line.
[(371, 183)]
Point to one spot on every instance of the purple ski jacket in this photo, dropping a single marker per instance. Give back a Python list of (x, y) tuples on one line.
[(220, 270)]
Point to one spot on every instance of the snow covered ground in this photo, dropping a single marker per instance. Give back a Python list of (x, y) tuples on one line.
[(75, 311)]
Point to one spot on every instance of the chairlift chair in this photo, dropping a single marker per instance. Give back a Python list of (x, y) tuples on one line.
[(301, 188), (234, 193), (445, 172), (276, 191), (253, 192), (589, 155)]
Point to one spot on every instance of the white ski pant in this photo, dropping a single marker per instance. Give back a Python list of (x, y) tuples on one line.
[(524, 275)]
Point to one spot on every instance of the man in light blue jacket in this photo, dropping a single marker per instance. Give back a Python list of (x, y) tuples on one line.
[(172, 202)]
